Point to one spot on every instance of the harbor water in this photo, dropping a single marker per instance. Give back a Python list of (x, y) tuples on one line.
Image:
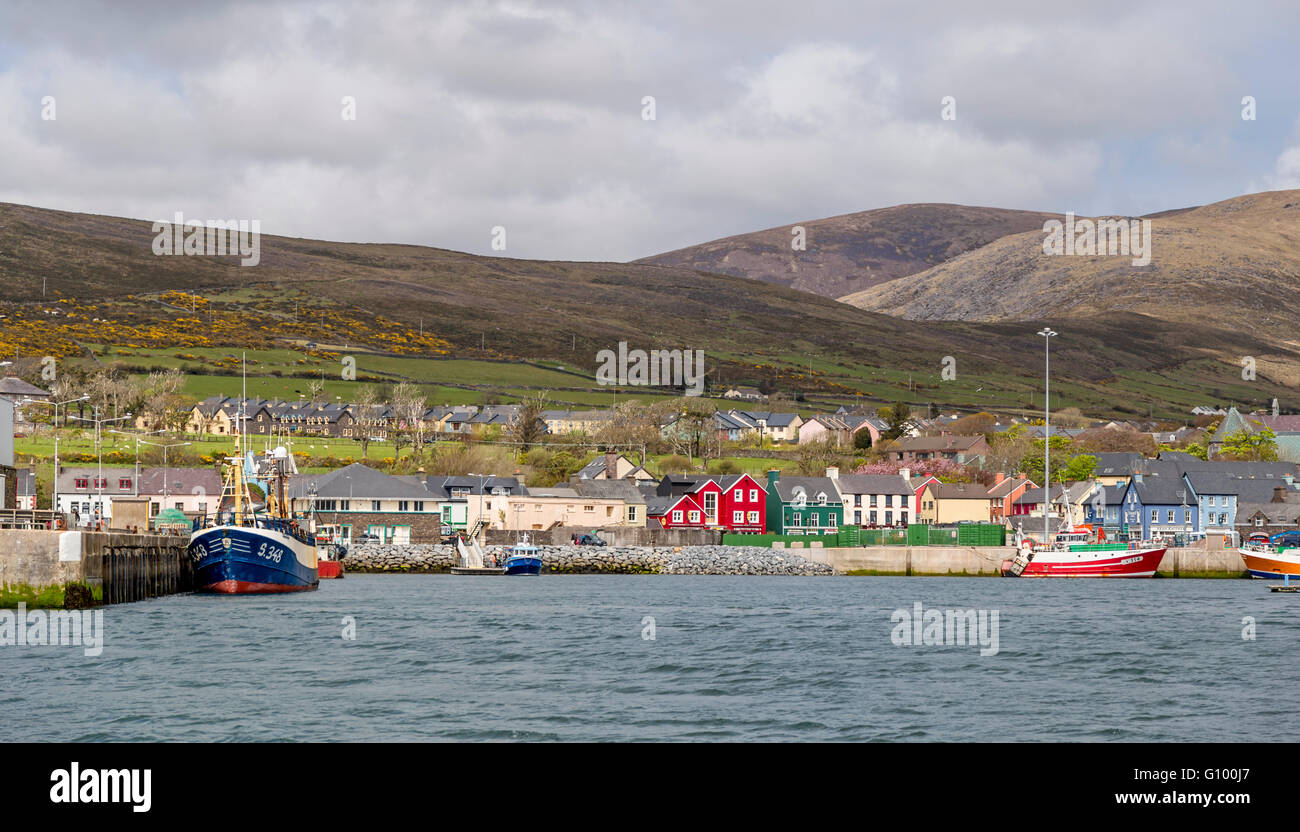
[(667, 657)]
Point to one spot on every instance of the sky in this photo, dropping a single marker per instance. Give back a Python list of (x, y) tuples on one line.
[(473, 116)]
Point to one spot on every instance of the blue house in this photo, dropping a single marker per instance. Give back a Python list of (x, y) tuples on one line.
[(1154, 505), (1218, 495), (1102, 506)]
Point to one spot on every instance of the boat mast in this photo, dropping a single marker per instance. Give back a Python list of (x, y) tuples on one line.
[(1047, 334)]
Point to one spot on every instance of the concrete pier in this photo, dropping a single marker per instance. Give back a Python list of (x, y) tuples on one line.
[(978, 560), (115, 566)]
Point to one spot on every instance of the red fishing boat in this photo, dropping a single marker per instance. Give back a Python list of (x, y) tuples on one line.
[(1072, 556)]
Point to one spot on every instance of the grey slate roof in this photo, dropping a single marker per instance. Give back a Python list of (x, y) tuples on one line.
[(357, 482), (873, 484), (624, 490), (14, 386), (786, 488)]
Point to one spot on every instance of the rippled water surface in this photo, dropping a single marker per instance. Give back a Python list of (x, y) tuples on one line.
[(564, 658)]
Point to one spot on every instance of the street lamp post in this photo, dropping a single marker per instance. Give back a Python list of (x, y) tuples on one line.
[(99, 453), (54, 498), (1047, 334)]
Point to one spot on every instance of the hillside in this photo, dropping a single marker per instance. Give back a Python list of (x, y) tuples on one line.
[(309, 300), (1232, 264), (853, 252)]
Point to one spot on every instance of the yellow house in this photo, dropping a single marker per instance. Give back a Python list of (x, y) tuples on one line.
[(542, 508), (953, 503)]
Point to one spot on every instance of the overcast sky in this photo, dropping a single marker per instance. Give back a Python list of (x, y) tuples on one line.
[(529, 116)]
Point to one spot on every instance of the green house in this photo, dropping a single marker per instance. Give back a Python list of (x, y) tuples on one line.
[(803, 505)]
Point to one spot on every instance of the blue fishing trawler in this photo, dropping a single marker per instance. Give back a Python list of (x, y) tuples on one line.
[(246, 549), (523, 558)]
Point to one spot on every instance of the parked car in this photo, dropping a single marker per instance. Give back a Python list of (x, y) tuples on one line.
[(367, 538), (1291, 538), (585, 539)]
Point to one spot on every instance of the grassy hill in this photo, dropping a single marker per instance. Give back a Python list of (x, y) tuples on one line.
[(479, 326), (853, 252), (1232, 265)]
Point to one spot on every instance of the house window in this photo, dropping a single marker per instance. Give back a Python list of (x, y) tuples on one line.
[(872, 517), (124, 484), (889, 501), (1259, 521), (738, 495), (1187, 515), (1155, 516), (753, 517), (872, 501), (833, 520), (821, 499), (677, 516), (796, 520), (419, 505), (902, 517), (1170, 515), (737, 517), (753, 495), (403, 505), (1223, 519), (631, 513), (889, 518), (82, 482), (587, 509), (374, 506), (695, 516)]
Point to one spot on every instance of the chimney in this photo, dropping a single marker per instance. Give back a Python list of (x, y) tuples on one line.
[(906, 474), (833, 472), (1279, 494), (998, 478), (1137, 476), (773, 477), (611, 465)]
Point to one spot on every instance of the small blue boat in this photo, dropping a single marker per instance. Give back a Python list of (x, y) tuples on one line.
[(524, 559)]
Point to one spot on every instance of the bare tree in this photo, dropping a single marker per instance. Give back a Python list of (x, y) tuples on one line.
[(409, 404), (529, 427)]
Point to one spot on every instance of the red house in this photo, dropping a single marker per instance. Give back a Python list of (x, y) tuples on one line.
[(737, 503), (676, 511), (744, 504)]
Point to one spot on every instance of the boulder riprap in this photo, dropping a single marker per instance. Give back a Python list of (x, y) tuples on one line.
[(689, 560)]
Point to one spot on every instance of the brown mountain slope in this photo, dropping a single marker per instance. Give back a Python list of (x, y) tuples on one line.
[(103, 284), (852, 252), (1230, 264)]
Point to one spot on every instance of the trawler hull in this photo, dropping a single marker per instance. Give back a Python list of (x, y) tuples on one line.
[(1262, 564), (242, 560), (1122, 563)]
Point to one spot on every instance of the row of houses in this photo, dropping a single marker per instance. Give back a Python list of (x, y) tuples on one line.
[(1172, 494), (221, 415)]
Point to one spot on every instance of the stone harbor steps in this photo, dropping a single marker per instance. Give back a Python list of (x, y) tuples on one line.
[(633, 560)]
